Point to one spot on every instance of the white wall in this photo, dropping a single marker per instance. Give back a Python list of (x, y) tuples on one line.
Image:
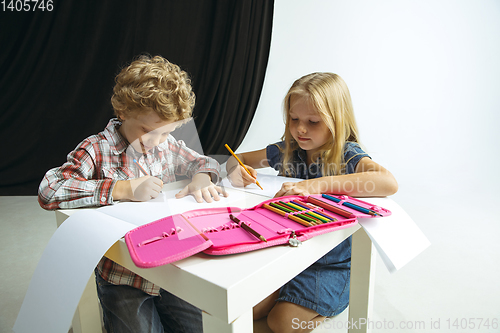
[(424, 77), (425, 81)]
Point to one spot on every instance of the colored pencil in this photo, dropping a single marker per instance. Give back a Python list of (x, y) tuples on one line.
[(140, 167), (317, 215), (283, 213), (322, 213), (351, 205), (306, 214), (331, 208), (289, 209), (244, 167), (196, 229), (246, 227)]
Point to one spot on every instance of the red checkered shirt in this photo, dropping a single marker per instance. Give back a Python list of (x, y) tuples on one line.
[(98, 162)]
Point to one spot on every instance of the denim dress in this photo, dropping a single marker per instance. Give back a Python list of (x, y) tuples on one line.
[(323, 286)]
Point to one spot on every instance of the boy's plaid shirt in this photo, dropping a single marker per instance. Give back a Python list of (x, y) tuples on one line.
[(93, 168)]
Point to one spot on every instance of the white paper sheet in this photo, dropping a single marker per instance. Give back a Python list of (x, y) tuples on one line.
[(270, 184), (165, 204), (64, 270), (396, 237)]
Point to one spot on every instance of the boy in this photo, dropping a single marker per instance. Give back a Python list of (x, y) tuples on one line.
[(130, 160)]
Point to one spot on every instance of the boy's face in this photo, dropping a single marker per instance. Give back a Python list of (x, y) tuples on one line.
[(146, 130), (306, 125)]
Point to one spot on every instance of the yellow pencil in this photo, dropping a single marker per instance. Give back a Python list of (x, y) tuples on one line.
[(236, 157)]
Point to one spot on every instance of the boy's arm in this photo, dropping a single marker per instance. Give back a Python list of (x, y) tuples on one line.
[(189, 163), (71, 185), (369, 180)]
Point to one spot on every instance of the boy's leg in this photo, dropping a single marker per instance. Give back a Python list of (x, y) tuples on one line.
[(127, 309), (177, 315)]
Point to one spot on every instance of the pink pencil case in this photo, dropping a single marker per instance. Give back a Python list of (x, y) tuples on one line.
[(212, 230)]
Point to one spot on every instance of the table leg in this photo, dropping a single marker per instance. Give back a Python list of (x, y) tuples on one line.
[(87, 318), (244, 324), (362, 282)]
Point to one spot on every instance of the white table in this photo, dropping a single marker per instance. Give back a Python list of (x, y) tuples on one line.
[(227, 287)]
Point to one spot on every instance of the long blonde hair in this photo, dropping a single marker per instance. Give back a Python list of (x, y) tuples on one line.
[(330, 97)]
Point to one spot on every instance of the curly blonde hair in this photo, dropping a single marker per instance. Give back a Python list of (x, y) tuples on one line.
[(329, 95), (153, 83)]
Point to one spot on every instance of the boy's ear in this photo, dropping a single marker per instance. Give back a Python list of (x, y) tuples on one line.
[(119, 115)]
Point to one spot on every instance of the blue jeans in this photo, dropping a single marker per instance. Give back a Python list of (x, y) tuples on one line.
[(127, 309)]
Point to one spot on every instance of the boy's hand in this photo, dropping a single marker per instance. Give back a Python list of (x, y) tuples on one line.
[(139, 189), (239, 177), (202, 188), (145, 188)]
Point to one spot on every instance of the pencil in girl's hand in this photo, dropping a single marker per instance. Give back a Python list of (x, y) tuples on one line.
[(140, 167), (247, 227), (244, 167)]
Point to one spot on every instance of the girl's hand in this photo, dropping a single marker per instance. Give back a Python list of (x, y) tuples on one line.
[(239, 177), (202, 188), (289, 188)]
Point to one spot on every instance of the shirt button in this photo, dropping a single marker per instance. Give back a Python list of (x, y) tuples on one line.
[(103, 199)]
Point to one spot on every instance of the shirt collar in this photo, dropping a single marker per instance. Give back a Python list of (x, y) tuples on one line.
[(117, 142)]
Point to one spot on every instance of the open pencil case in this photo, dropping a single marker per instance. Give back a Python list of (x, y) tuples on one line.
[(219, 231)]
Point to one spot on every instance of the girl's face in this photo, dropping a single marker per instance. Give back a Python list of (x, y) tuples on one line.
[(145, 131), (306, 125)]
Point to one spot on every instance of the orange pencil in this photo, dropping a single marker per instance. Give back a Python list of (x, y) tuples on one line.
[(236, 157)]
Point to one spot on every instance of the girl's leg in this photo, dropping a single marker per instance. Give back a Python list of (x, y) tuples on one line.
[(262, 309), (290, 317)]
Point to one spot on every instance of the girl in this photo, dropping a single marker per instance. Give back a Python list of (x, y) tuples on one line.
[(320, 145)]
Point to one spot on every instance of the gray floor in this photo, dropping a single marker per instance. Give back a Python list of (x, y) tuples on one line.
[(453, 285)]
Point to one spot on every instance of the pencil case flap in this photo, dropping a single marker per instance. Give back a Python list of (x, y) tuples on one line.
[(164, 241)]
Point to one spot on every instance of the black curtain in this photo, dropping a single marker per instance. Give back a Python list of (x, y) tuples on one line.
[(58, 67)]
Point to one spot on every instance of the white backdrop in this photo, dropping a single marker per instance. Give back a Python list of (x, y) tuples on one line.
[(424, 77)]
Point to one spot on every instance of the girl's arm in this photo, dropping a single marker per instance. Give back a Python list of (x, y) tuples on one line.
[(253, 160), (369, 180)]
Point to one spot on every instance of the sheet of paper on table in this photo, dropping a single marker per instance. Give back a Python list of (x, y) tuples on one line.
[(397, 238), (270, 184)]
